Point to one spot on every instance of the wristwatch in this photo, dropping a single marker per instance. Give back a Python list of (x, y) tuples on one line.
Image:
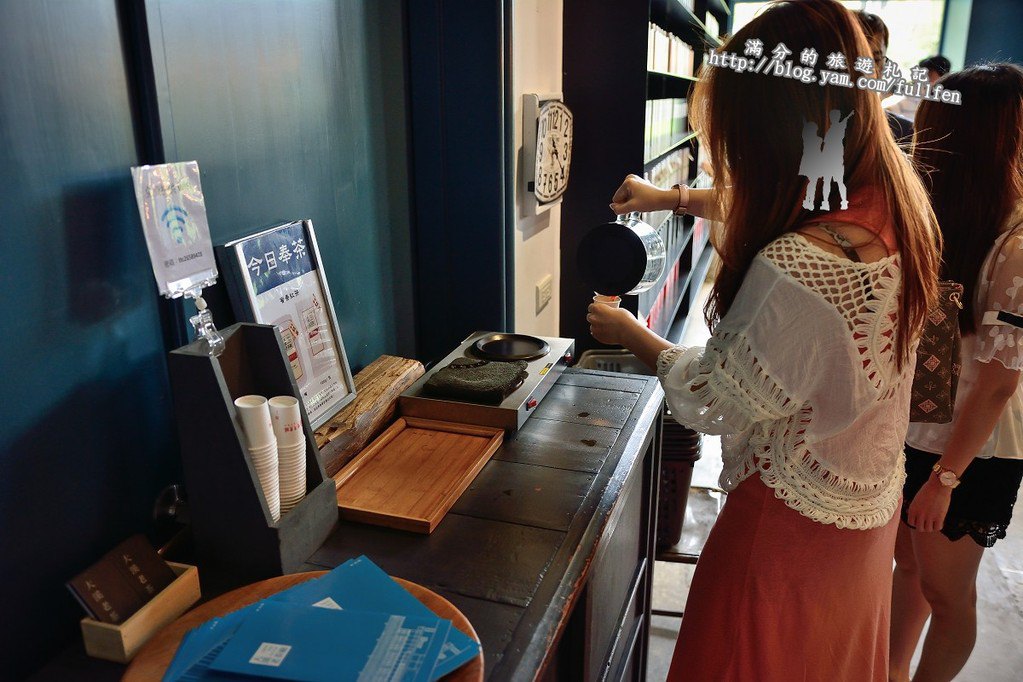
[(683, 204), (946, 477)]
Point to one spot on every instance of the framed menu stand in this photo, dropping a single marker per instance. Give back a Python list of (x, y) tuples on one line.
[(237, 541)]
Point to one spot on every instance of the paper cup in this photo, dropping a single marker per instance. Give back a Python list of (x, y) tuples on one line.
[(255, 415), (265, 462), (287, 420), (610, 301), (292, 474)]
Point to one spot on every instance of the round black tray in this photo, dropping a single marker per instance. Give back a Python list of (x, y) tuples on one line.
[(511, 347)]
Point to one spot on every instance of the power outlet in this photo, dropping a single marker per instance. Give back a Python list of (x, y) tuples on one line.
[(544, 291)]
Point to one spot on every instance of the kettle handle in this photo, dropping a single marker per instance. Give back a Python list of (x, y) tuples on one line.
[(626, 217)]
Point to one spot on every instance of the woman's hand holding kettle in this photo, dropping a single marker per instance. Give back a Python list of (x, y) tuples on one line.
[(636, 194)]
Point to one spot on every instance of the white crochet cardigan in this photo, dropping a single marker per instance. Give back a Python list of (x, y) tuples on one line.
[(800, 379)]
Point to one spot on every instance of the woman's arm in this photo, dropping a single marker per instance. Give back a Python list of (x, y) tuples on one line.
[(636, 194), (984, 404)]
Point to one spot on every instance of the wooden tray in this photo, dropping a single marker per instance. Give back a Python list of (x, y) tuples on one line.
[(152, 661), (411, 475)]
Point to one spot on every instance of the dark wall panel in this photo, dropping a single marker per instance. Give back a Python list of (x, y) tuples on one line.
[(296, 110), (86, 441), (457, 85), (996, 32)]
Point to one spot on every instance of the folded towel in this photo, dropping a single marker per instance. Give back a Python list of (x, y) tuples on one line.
[(478, 381)]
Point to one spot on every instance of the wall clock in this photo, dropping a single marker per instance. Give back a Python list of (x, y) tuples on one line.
[(547, 149)]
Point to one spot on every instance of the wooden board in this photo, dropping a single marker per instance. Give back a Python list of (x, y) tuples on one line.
[(377, 388), (152, 661), (411, 475)]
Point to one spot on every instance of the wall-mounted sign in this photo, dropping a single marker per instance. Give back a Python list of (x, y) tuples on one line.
[(173, 214), (275, 277)]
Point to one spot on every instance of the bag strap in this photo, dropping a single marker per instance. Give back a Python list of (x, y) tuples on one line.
[(842, 243)]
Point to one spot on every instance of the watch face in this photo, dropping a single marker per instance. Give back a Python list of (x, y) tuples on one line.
[(947, 478), (553, 151)]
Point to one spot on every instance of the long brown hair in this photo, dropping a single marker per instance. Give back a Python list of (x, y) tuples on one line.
[(972, 157), (752, 123)]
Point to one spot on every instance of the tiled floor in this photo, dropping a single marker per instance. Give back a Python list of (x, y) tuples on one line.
[(998, 656)]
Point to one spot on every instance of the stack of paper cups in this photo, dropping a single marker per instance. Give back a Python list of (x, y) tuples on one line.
[(287, 425), (255, 416), (611, 301)]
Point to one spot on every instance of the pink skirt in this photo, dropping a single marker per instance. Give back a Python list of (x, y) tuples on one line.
[(777, 596)]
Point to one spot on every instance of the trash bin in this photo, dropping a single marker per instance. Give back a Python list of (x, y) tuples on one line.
[(680, 449)]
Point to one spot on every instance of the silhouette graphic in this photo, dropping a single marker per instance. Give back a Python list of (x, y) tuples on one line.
[(824, 160)]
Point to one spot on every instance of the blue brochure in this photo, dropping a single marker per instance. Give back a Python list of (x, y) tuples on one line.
[(361, 585), (201, 645), (308, 644)]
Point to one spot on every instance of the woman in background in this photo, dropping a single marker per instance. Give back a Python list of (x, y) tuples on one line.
[(807, 375), (877, 36), (973, 151)]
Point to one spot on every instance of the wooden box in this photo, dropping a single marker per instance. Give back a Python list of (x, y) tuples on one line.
[(120, 643), (237, 541)]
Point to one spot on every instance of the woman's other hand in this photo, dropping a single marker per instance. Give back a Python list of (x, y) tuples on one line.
[(610, 325), (929, 506), (636, 194)]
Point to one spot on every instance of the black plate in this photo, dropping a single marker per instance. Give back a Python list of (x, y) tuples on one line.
[(511, 347)]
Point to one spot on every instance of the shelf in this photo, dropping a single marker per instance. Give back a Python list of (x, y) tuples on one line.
[(671, 76), (679, 326), (667, 85), (683, 296), (680, 20), (669, 265), (719, 7), (675, 147)]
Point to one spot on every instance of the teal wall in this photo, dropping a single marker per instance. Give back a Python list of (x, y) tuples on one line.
[(299, 114), (294, 109)]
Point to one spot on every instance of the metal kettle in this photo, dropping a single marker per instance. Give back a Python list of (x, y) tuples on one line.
[(621, 258)]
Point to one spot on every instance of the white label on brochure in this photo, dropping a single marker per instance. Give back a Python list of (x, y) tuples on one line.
[(328, 603), (270, 654)]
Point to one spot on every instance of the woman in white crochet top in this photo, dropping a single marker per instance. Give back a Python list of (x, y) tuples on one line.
[(807, 374)]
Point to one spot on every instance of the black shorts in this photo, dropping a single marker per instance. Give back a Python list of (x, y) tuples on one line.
[(981, 505)]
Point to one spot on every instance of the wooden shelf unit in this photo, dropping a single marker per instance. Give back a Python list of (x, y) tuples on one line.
[(607, 90)]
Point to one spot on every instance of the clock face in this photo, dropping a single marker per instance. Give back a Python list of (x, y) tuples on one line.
[(553, 151)]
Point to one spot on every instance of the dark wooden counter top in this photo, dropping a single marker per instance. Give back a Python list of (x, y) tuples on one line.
[(515, 550)]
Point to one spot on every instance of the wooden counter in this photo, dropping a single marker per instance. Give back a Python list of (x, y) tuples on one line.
[(550, 550)]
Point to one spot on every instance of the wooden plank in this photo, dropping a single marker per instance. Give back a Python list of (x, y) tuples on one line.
[(558, 444), (526, 494), (625, 383), (591, 406), (492, 560), (377, 389), (411, 476), (493, 623)]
